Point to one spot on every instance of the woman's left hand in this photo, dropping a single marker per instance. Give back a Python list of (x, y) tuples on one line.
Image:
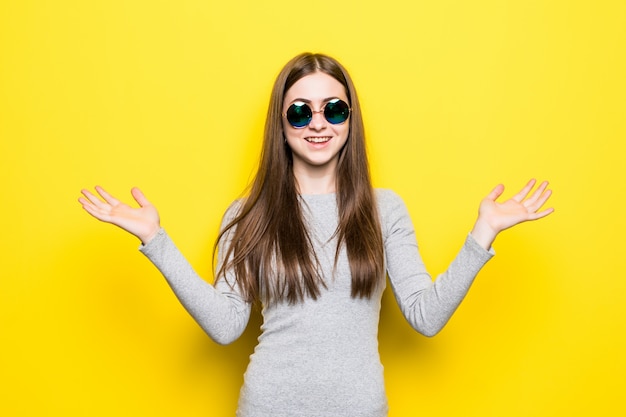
[(494, 217)]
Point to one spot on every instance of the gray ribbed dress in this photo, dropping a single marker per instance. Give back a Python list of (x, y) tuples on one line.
[(320, 358)]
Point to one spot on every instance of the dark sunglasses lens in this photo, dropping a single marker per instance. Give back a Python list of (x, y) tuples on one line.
[(299, 114), (336, 111)]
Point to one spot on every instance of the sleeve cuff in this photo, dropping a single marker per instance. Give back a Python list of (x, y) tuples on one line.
[(154, 242), (479, 250)]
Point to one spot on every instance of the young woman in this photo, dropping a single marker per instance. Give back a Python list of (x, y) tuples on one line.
[(313, 242)]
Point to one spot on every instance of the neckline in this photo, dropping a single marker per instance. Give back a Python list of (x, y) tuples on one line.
[(308, 196)]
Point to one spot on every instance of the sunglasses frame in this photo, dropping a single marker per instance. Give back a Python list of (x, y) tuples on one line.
[(322, 110)]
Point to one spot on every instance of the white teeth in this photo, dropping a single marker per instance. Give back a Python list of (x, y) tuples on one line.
[(318, 140)]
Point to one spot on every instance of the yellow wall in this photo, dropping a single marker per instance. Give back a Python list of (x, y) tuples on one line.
[(171, 96)]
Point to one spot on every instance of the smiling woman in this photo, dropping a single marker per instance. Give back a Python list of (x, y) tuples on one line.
[(315, 146), (313, 242)]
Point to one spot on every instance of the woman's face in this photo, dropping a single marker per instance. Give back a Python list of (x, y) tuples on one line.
[(315, 147)]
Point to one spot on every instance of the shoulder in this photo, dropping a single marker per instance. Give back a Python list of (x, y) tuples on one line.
[(394, 216), (233, 210), (235, 206), (391, 209), (388, 200)]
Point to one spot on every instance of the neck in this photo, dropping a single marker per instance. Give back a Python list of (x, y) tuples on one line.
[(315, 181)]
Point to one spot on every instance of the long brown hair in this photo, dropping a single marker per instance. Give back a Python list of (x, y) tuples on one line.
[(270, 250)]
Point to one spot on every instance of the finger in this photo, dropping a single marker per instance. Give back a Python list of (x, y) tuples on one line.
[(532, 200), (540, 201), (496, 192), (83, 201), (139, 197), (98, 213), (541, 214), (92, 200), (106, 196), (519, 197)]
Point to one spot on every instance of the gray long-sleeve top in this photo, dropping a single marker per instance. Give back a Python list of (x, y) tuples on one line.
[(320, 357)]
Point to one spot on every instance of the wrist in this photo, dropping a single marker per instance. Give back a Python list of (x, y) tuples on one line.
[(147, 237), (483, 234)]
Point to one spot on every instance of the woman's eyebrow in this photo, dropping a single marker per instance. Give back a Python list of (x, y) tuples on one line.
[(308, 101)]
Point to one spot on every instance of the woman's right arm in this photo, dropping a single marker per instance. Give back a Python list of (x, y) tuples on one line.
[(221, 311)]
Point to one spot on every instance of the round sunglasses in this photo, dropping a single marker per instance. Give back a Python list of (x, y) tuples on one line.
[(300, 114)]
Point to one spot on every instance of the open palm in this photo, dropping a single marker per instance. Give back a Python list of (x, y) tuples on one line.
[(142, 221), (494, 217), (522, 207)]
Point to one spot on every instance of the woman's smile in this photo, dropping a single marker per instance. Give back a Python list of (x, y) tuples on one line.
[(318, 139)]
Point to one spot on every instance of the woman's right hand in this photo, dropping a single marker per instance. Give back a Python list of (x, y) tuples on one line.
[(142, 222)]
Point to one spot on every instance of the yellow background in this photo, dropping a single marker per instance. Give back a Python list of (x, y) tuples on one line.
[(171, 96)]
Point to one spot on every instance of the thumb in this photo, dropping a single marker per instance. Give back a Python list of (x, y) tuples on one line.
[(139, 197), (496, 192)]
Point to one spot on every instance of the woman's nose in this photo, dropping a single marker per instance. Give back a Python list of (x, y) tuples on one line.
[(318, 121)]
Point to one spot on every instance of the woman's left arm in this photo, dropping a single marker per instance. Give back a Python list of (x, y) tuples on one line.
[(428, 305), (494, 217)]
